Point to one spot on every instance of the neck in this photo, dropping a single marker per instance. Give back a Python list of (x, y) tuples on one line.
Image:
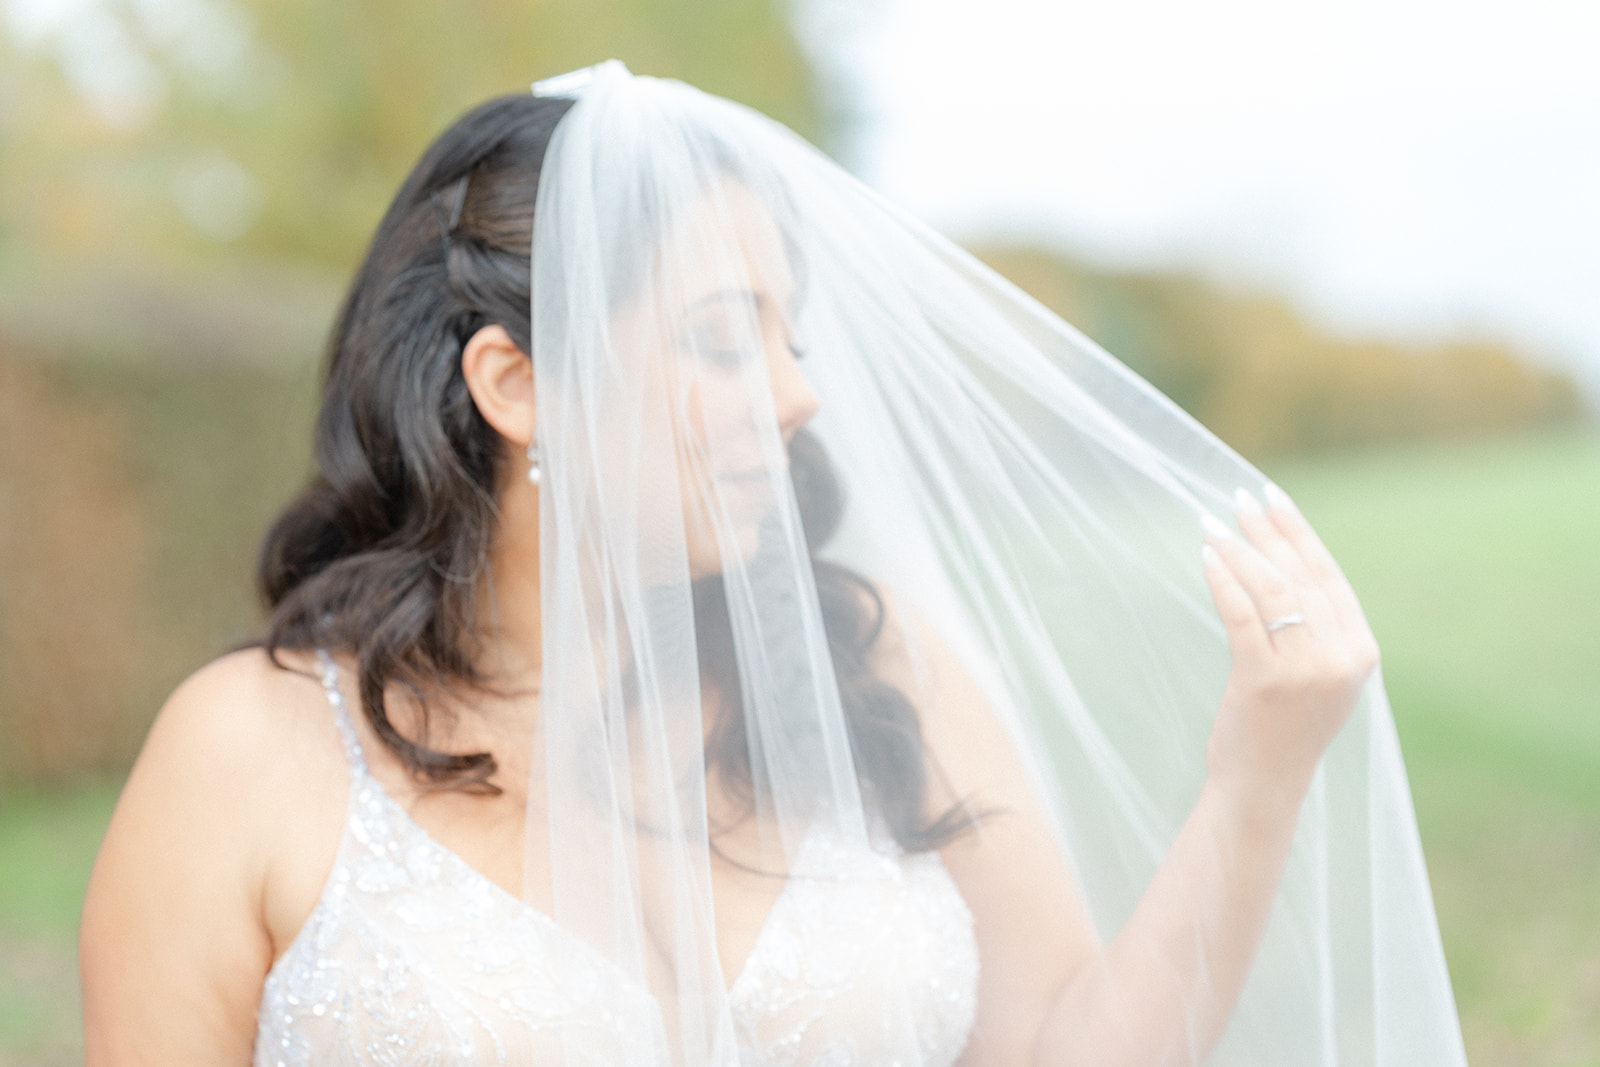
[(508, 594)]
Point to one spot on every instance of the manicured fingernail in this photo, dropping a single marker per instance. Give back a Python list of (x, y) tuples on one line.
[(1277, 498), (1209, 556), (1214, 527), (1247, 503)]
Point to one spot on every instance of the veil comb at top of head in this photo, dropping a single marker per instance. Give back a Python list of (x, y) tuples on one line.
[(572, 83)]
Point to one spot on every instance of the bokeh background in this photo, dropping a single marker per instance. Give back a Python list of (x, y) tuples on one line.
[(1359, 241)]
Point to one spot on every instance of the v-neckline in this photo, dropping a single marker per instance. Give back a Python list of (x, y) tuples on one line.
[(499, 892), (355, 755)]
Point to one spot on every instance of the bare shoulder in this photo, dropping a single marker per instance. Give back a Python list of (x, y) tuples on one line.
[(238, 701), (237, 747), (244, 754), (235, 793), (243, 733), (224, 730)]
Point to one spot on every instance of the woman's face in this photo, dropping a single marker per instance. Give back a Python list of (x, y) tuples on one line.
[(716, 325)]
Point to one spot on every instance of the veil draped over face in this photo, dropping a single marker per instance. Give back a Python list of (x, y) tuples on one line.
[(826, 508)]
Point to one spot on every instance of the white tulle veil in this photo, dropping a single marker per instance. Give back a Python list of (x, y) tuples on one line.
[(1024, 507)]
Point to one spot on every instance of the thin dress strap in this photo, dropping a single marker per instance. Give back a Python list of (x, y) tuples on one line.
[(341, 713)]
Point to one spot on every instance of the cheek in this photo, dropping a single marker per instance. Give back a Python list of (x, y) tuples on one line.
[(723, 444), (692, 457), (694, 412), (718, 425), (692, 450)]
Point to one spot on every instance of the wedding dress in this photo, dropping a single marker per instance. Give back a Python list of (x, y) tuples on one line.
[(413, 957)]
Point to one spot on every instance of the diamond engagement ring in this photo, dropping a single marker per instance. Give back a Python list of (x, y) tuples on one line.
[(1294, 618)]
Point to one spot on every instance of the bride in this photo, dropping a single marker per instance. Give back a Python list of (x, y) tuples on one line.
[(728, 625)]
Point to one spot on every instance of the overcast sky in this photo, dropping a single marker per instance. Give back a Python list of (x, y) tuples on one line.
[(1416, 167)]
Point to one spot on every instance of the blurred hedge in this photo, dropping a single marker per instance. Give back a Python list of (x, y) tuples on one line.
[(278, 129), (131, 497)]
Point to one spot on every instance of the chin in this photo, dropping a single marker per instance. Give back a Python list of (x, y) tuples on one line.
[(705, 558)]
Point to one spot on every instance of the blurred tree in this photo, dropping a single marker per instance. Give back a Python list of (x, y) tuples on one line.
[(188, 130), (1268, 382)]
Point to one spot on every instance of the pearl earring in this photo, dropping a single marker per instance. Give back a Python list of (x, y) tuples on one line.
[(533, 463)]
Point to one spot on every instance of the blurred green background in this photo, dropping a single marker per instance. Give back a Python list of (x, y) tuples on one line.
[(183, 185)]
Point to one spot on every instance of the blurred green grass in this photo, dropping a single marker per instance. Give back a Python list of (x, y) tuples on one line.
[(1480, 568), (48, 840), (47, 844)]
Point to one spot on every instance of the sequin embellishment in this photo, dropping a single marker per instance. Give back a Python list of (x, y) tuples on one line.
[(411, 956)]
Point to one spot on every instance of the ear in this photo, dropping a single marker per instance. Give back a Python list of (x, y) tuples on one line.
[(499, 376)]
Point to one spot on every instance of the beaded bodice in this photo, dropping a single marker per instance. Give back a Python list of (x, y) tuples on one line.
[(411, 956)]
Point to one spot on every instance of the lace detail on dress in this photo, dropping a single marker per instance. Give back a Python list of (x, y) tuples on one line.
[(411, 956), (864, 953)]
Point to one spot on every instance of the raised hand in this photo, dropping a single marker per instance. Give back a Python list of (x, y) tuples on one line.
[(1302, 649)]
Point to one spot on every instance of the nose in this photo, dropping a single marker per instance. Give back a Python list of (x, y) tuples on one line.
[(793, 399)]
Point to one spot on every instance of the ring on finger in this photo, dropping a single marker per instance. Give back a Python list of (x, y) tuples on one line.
[(1294, 618)]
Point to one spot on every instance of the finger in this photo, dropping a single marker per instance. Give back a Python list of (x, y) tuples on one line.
[(1269, 538), (1271, 591), (1317, 606), (1324, 569), (1247, 637), (1355, 638), (1286, 517)]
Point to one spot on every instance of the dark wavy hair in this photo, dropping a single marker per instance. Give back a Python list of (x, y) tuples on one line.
[(382, 554)]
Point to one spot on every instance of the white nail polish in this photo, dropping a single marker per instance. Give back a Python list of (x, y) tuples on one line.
[(1215, 527), (1247, 503), (1208, 555), (1277, 498)]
